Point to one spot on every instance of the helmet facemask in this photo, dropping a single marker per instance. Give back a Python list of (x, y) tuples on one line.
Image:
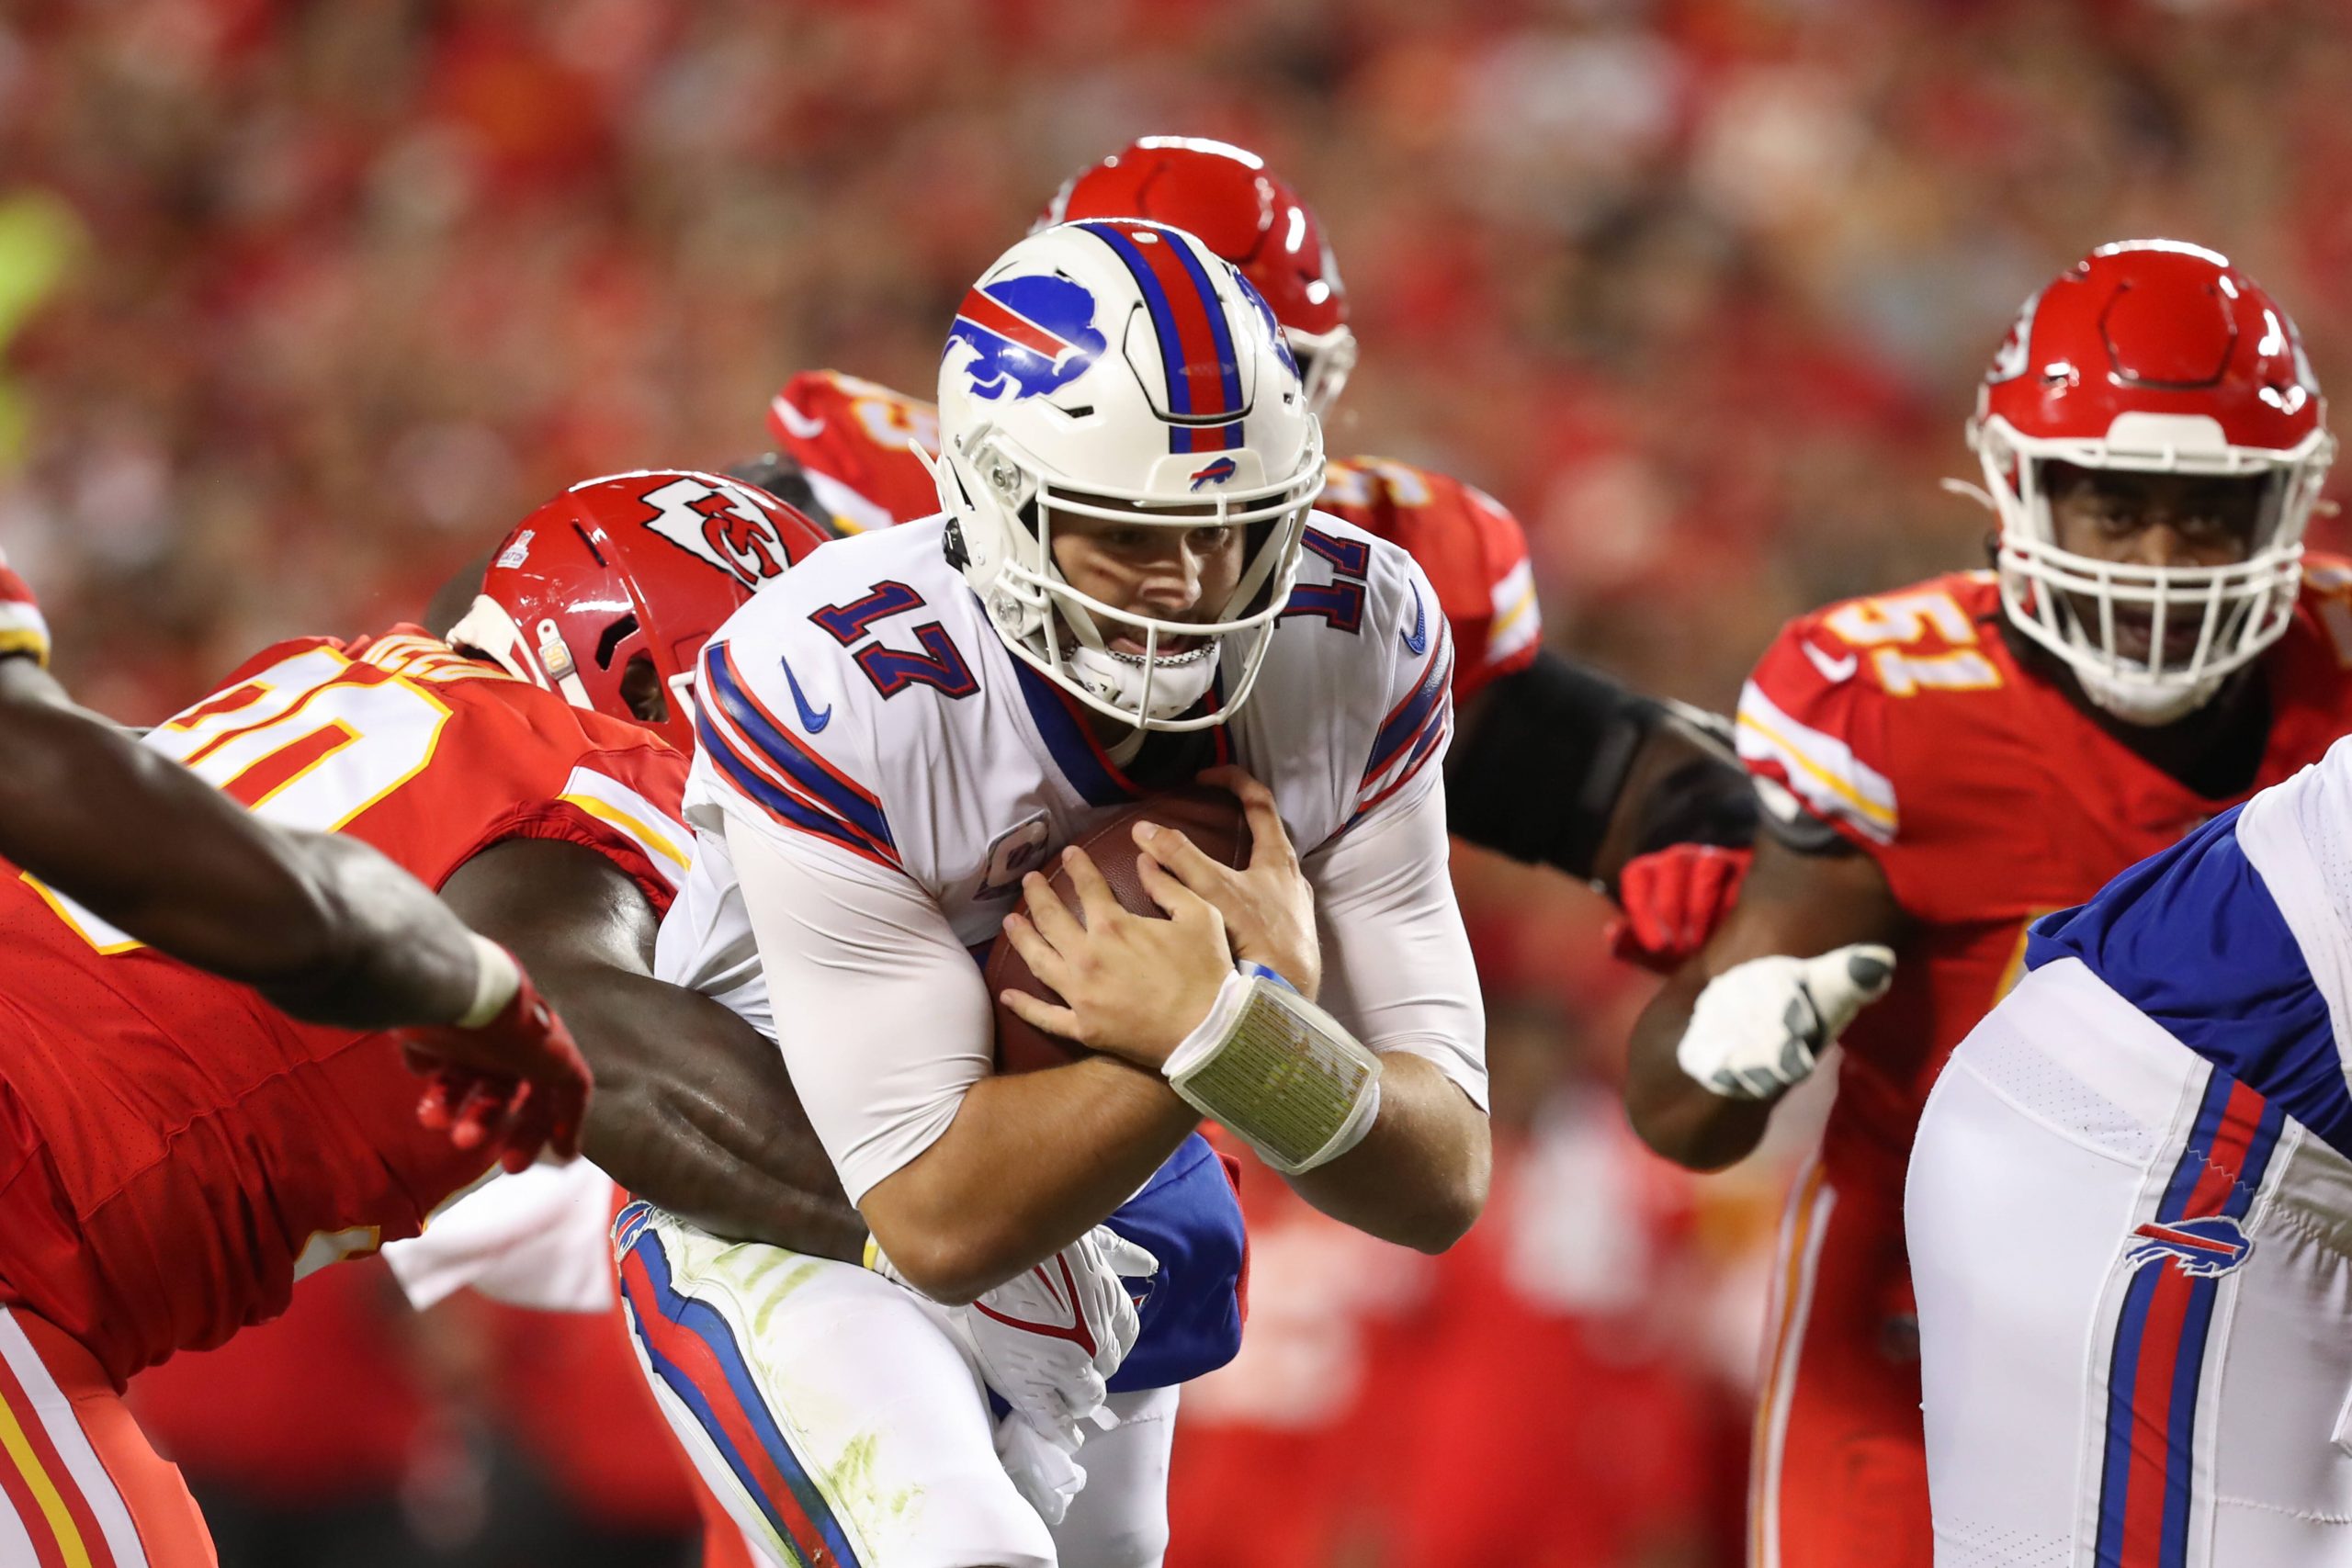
[(1326, 360), (2091, 612), (1115, 371), (1065, 633)]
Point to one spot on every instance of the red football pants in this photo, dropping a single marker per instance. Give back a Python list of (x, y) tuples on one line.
[(1838, 1473), (79, 1483)]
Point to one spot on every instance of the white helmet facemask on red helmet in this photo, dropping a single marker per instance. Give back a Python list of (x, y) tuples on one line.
[(2151, 643), (1326, 360), (2237, 609), (1116, 369)]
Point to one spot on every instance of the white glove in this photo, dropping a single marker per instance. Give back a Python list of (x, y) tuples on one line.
[(1048, 1340), (1760, 1026), (1042, 1469)]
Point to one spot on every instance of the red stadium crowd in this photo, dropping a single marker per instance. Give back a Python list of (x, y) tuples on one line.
[(300, 305)]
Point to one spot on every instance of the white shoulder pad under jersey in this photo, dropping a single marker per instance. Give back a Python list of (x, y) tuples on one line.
[(864, 708)]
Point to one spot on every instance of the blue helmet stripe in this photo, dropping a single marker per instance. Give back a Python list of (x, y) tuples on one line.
[(1221, 330)]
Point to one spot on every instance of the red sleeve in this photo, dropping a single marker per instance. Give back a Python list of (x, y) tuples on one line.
[(1900, 720), (625, 804), (1470, 546), (1514, 627), (854, 441), (22, 630), (1812, 722)]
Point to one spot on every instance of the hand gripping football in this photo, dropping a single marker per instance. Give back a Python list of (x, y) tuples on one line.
[(1212, 818)]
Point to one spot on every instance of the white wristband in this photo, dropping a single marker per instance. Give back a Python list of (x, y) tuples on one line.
[(496, 979), (1279, 1071)]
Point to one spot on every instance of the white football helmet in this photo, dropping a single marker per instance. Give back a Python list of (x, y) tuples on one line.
[(1116, 368)]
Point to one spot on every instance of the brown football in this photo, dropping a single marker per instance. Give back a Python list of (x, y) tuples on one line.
[(1210, 817)]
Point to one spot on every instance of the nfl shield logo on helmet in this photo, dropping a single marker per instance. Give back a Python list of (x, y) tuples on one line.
[(1216, 473), (1032, 335), (2199, 1249)]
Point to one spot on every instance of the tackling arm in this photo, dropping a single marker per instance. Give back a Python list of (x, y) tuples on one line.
[(1560, 764), (324, 926), (694, 1109), (1799, 902)]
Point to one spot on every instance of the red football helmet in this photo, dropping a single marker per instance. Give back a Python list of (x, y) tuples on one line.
[(2158, 356), (1226, 196), (608, 592)]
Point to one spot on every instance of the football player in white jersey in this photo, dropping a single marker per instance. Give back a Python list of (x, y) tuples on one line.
[(2129, 1214), (1126, 588)]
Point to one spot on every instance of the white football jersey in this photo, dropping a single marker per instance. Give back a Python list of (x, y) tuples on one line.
[(2238, 941), (864, 715)]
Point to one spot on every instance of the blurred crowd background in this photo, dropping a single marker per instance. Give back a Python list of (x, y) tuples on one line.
[(302, 303)]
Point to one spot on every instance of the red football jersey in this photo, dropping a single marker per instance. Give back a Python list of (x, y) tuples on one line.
[(176, 1153), (1472, 547), (1905, 721), (856, 443)]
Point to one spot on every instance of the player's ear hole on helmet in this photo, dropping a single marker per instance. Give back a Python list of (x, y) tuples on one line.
[(2113, 513), (641, 690), (620, 631)]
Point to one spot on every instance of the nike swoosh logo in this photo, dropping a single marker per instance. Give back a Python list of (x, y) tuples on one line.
[(1417, 641), (811, 719), (799, 426), (1832, 669)]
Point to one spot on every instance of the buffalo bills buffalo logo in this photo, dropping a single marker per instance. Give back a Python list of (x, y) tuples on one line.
[(1217, 473), (2198, 1248), (1031, 335)]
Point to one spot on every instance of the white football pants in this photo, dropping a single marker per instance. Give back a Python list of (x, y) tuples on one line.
[(831, 1412), (2134, 1280)]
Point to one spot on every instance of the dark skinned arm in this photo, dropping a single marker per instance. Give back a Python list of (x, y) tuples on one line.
[(1684, 786), (324, 926), (1561, 764), (694, 1110), (1793, 902)]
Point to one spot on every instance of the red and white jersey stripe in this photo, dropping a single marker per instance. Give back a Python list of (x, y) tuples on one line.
[(22, 629)]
